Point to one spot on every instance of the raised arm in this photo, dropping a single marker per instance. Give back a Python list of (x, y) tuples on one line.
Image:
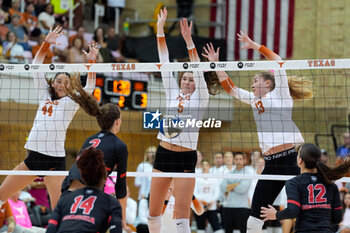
[(198, 77), (39, 77), (169, 82), (91, 56), (226, 82), (281, 79)]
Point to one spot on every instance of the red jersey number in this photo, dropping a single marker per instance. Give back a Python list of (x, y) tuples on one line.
[(95, 142), (87, 205), (320, 196)]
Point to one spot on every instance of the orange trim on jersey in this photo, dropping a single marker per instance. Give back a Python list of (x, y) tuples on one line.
[(53, 222), (268, 53), (294, 202), (122, 175), (161, 44), (193, 55), (42, 51), (228, 85), (338, 208)]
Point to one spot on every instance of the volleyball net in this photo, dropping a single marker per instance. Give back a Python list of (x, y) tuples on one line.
[(137, 88)]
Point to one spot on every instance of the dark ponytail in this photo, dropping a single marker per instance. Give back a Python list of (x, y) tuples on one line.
[(311, 155), (105, 115)]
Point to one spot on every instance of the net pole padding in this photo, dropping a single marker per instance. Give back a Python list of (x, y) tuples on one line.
[(164, 174), (179, 66)]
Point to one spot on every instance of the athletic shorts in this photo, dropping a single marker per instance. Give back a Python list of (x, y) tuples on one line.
[(172, 161), (36, 161)]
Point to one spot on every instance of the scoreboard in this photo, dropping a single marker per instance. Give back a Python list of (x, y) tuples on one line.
[(129, 94)]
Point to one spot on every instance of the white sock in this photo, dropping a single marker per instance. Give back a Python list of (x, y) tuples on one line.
[(154, 224), (254, 225), (183, 225), (200, 231)]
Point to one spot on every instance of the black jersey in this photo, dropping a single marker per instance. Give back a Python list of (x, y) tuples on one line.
[(86, 210), (115, 156), (315, 205)]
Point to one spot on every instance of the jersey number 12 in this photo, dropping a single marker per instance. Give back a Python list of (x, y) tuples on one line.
[(320, 196)]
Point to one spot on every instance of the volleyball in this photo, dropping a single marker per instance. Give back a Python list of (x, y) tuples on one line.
[(169, 126)]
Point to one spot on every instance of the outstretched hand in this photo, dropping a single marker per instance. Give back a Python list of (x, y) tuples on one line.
[(53, 35), (186, 29), (248, 43), (93, 51), (162, 17), (210, 53), (268, 213)]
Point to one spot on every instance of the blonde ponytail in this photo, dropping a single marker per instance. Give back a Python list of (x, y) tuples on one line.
[(300, 88)]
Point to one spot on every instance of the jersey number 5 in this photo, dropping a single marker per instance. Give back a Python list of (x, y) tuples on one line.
[(87, 205), (320, 196)]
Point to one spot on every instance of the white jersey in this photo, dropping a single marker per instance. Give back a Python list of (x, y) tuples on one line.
[(208, 190), (273, 114), (185, 107), (52, 119)]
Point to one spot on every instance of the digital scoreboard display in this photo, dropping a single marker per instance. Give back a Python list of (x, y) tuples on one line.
[(128, 94)]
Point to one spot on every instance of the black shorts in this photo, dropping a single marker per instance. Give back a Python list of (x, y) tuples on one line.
[(36, 161), (172, 161)]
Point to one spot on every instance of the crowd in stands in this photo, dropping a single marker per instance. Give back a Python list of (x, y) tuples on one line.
[(21, 34)]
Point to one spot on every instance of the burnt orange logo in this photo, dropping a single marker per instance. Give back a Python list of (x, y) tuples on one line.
[(88, 66), (318, 63), (281, 63), (124, 66), (159, 65)]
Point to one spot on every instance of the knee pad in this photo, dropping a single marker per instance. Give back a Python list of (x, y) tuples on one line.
[(154, 224), (254, 225)]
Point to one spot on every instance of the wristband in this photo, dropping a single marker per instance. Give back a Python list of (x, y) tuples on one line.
[(92, 61), (160, 35), (228, 85)]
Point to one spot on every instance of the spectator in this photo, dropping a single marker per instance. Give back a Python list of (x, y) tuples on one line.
[(99, 37), (114, 45), (142, 214), (21, 34), (75, 54), (344, 150), (7, 221), (346, 209), (38, 189), (60, 10), (255, 157), (40, 6), (30, 19), (228, 162), (46, 19), (111, 8), (3, 28), (131, 211), (12, 50), (236, 205), (259, 167), (207, 191), (144, 183), (5, 9), (218, 164), (199, 167), (21, 215), (49, 55), (15, 4), (80, 34), (324, 156), (110, 185)]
